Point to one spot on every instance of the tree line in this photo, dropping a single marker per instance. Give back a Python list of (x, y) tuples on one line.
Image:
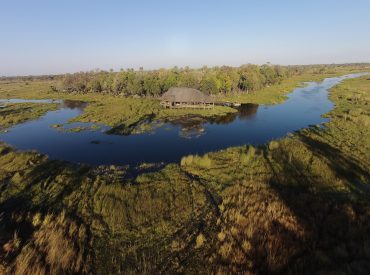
[(154, 83), (215, 80)]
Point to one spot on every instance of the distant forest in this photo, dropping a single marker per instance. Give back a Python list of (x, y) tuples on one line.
[(215, 80), (154, 83)]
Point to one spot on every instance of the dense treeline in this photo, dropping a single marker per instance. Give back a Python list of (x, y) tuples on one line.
[(214, 80), (298, 205), (153, 83)]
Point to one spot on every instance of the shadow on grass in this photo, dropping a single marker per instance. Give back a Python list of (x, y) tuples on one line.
[(40, 182), (344, 166), (14, 112), (332, 227), (311, 215), (167, 221)]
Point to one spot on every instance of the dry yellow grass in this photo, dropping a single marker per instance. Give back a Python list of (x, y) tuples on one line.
[(295, 205)]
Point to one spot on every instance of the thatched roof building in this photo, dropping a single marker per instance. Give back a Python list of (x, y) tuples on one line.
[(181, 97)]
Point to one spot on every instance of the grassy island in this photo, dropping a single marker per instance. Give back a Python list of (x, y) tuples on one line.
[(125, 99), (296, 205), (12, 114)]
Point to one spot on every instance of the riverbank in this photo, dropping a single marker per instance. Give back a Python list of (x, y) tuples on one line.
[(13, 114), (278, 93), (299, 204), (153, 141), (105, 109), (117, 111)]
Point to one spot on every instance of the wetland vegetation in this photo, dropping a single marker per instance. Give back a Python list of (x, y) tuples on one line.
[(105, 106), (299, 204), (16, 113), (155, 139)]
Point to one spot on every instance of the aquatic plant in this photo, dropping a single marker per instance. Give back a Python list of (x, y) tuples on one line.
[(299, 204)]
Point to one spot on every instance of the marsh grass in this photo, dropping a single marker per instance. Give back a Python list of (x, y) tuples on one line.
[(117, 111), (295, 205), (278, 93), (55, 246), (12, 114), (203, 161), (106, 109), (276, 198)]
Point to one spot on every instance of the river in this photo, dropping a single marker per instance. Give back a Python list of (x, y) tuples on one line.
[(252, 124)]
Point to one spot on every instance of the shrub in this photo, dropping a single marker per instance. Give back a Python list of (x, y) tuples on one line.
[(188, 160), (200, 240)]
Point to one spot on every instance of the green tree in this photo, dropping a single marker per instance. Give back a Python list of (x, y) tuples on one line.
[(210, 84), (151, 85)]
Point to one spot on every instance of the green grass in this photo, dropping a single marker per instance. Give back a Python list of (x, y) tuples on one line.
[(12, 114), (346, 139), (27, 90), (278, 93), (296, 205), (106, 109), (122, 111), (275, 197)]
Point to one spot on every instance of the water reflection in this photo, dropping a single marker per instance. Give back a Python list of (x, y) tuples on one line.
[(192, 126), (169, 141), (248, 111), (73, 104), (194, 131)]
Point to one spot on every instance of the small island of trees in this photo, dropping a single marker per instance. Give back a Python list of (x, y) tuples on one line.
[(216, 80)]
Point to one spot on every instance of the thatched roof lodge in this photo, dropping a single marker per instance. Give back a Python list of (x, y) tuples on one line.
[(179, 97)]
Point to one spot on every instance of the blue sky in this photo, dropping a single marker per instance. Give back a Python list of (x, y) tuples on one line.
[(45, 36)]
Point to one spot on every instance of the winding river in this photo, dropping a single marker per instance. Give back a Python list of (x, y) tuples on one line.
[(252, 124)]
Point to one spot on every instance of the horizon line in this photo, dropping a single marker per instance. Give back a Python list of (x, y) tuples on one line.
[(136, 69)]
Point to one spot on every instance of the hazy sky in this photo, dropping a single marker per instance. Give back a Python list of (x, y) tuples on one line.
[(41, 37)]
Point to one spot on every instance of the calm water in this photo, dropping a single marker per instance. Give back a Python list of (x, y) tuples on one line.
[(253, 124)]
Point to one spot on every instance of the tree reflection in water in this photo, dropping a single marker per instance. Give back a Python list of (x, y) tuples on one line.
[(192, 126), (73, 104)]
